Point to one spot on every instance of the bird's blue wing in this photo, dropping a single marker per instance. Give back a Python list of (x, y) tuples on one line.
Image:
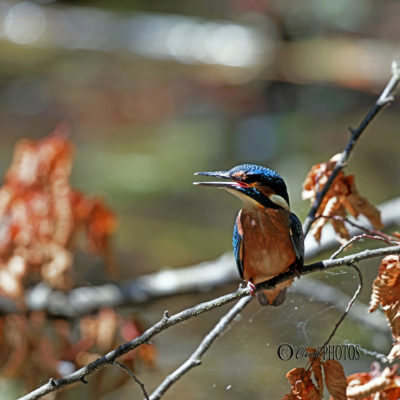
[(297, 238), (237, 242)]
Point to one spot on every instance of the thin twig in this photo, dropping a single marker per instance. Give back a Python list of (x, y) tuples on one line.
[(353, 299), (134, 377), (195, 359), (321, 350), (168, 321), (379, 356), (360, 237), (389, 239), (385, 98)]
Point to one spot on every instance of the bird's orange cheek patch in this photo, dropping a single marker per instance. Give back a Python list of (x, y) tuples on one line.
[(266, 191)]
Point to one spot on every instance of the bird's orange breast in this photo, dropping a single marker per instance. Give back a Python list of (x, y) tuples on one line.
[(267, 247)]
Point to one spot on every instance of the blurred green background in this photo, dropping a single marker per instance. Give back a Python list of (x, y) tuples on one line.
[(156, 90)]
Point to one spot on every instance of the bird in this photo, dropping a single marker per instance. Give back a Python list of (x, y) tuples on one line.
[(267, 237)]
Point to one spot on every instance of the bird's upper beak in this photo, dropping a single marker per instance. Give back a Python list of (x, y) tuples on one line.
[(233, 184)]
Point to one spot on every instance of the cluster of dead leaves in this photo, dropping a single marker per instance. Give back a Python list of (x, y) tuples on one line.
[(373, 385), (103, 332), (342, 197), (40, 213), (32, 348), (386, 293), (308, 384), (376, 384), (40, 216)]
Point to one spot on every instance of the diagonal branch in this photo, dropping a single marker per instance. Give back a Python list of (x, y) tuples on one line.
[(168, 321), (385, 98), (195, 359)]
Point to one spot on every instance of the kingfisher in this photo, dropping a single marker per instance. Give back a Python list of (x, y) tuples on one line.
[(267, 237)]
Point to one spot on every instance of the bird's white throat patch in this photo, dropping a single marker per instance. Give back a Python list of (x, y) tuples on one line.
[(250, 202), (247, 201), (279, 200)]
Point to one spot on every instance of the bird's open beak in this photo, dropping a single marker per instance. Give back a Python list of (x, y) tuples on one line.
[(233, 184)]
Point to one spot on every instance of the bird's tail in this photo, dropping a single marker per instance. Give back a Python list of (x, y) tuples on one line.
[(272, 297)]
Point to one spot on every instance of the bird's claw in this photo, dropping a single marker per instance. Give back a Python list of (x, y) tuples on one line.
[(252, 288), (294, 269)]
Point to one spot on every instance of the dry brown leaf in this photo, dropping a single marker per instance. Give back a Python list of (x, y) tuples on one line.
[(16, 337), (332, 208), (392, 312), (302, 386), (339, 226), (148, 355), (395, 352), (393, 315), (11, 276), (342, 196), (386, 293), (315, 360), (357, 379), (364, 385), (56, 269), (358, 205), (31, 349), (289, 396), (296, 374), (99, 223), (317, 177), (396, 235), (102, 332), (386, 286), (335, 379)]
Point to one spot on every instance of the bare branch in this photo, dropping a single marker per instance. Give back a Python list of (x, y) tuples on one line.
[(134, 377), (385, 98), (168, 321), (195, 359), (360, 237), (362, 228), (167, 282)]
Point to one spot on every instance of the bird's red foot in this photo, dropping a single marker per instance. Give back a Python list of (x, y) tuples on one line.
[(252, 287), (295, 270)]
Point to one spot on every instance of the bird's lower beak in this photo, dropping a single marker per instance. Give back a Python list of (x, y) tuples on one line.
[(226, 185)]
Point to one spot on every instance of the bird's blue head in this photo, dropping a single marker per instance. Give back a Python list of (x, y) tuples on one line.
[(252, 183)]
